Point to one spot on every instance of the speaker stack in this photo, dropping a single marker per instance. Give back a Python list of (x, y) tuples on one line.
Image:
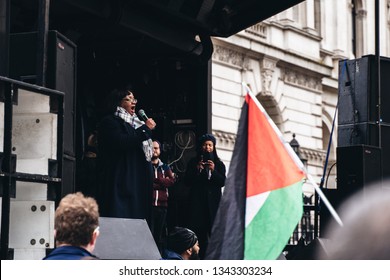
[(61, 76), (39, 133), (363, 152)]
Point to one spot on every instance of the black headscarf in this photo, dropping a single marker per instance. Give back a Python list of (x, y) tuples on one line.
[(207, 137), (206, 156)]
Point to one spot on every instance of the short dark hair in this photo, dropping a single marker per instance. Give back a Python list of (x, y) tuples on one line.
[(158, 142), (115, 97)]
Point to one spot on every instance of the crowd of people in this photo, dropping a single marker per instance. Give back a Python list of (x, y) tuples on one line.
[(133, 183)]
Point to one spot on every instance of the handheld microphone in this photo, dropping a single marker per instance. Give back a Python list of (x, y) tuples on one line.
[(142, 116)]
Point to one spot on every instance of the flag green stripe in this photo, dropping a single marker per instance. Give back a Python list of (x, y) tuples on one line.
[(268, 233)]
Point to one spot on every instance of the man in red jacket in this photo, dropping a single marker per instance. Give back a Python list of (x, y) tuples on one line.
[(163, 179)]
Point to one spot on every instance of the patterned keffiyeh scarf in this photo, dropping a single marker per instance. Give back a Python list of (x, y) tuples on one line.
[(147, 145)]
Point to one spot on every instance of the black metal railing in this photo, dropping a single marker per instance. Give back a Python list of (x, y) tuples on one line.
[(305, 229)]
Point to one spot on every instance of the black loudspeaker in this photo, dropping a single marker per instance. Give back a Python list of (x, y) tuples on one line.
[(358, 134), (61, 72), (68, 175), (367, 134), (358, 94), (60, 75), (357, 167), (125, 239)]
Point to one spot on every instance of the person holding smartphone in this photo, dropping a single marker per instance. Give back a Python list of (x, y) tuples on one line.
[(205, 176)]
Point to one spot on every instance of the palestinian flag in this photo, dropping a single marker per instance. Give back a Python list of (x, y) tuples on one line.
[(262, 201)]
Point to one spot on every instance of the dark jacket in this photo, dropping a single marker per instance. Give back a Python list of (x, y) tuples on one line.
[(163, 179), (170, 255), (205, 194), (69, 253), (125, 177)]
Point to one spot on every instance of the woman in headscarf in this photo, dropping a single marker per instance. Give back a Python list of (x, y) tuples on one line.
[(205, 176), (124, 160)]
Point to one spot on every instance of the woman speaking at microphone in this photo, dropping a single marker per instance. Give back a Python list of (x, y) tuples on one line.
[(124, 160)]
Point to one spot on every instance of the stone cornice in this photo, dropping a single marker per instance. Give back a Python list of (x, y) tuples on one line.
[(361, 13), (229, 56), (301, 79), (257, 30), (284, 57), (313, 155), (225, 140), (298, 30)]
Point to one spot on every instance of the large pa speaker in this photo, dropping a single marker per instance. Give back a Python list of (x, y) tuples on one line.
[(367, 134), (125, 239), (61, 72), (68, 175), (358, 94), (357, 167)]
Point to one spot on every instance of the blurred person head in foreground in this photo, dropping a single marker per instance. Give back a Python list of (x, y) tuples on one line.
[(365, 234)]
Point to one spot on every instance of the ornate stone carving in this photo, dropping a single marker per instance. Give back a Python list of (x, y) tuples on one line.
[(268, 66), (361, 14), (302, 80), (225, 140), (313, 155), (230, 56)]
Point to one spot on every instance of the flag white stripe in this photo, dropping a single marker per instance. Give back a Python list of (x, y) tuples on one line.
[(253, 206)]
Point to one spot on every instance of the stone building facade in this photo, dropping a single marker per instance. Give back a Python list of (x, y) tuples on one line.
[(291, 61)]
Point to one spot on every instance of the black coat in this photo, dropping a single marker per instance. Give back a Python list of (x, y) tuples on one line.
[(125, 176), (205, 195)]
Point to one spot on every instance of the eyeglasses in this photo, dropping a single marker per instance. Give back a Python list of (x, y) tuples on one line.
[(132, 100)]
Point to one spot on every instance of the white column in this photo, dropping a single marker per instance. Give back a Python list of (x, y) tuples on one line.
[(361, 31), (286, 16), (342, 28), (309, 24)]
